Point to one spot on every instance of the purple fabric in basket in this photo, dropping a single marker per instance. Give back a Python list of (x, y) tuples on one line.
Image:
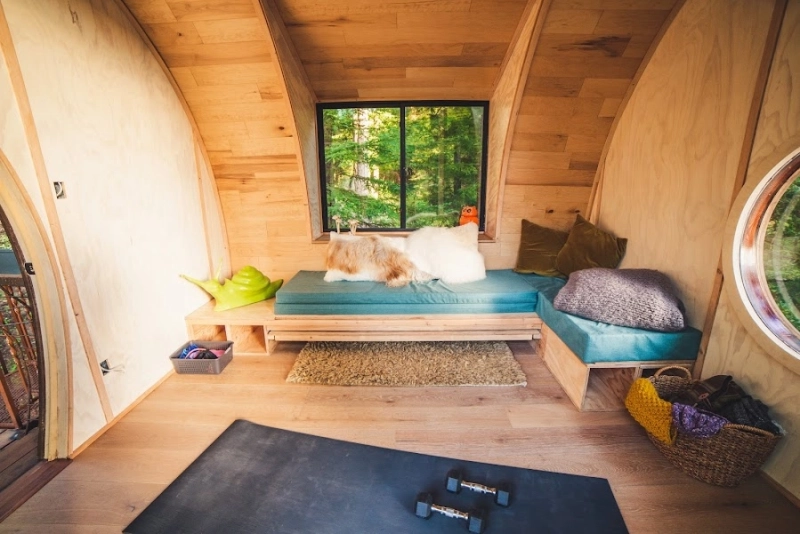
[(690, 421)]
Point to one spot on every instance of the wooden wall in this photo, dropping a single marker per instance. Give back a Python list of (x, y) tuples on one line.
[(220, 54), (731, 349), (101, 116), (672, 163), (584, 63), (225, 65), (367, 50)]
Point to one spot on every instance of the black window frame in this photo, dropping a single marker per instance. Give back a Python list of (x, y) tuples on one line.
[(401, 104)]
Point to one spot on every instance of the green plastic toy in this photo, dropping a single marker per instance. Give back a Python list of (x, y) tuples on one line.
[(247, 286)]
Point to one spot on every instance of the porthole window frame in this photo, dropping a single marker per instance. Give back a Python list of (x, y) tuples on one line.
[(743, 267)]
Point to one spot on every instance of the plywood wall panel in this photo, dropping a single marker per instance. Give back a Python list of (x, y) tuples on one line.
[(578, 76), (731, 349), (87, 72), (672, 162)]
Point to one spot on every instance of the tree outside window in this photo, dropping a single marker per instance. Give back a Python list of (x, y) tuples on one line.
[(402, 166), (782, 252)]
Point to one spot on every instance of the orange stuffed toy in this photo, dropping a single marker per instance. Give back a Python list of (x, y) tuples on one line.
[(468, 214)]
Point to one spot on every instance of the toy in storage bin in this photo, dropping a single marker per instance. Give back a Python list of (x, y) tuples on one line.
[(203, 367)]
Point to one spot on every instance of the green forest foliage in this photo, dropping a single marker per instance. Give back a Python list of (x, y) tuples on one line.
[(5, 242), (782, 253), (363, 161)]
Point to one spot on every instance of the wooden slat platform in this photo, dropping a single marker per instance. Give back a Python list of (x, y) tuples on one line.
[(255, 329)]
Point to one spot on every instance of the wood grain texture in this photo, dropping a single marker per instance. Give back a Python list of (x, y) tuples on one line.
[(732, 348), (356, 50), (302, 101), (260, 143), (73, 57), (504, 106), (253, 328), (534, 427), (580, 70), (701, 98), (569, 371), (412, 50)]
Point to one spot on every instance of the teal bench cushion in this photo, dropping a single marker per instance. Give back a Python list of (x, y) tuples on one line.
[(595, 342), (502, 291)]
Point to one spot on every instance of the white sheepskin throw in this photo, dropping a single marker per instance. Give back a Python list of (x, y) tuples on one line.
[(450, 254), (371, 258)]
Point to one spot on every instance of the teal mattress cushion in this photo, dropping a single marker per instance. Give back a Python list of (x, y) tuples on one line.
[(502, 291), (595, 342)]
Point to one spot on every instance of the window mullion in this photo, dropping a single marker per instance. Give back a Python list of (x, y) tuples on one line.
[(403, 169)]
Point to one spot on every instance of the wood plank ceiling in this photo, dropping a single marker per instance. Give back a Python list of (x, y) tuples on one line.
[(221, 57), (368, 50)]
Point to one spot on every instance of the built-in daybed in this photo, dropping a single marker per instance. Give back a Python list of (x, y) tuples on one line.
[(594, 362)]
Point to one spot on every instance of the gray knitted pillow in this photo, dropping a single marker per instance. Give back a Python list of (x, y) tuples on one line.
[(639, 298)]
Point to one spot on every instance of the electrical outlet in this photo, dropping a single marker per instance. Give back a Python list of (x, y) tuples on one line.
[(104, 367)]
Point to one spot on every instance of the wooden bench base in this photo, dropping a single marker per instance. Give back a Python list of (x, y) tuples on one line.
[(256, 328), (594, 386)]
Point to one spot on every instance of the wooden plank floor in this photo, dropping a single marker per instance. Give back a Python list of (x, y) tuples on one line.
[(533, 427)]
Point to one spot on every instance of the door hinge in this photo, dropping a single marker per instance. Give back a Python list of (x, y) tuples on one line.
[(29, 268)]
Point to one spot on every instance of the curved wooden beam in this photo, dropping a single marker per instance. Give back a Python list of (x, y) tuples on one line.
[(52, 312), (504, 107), (303, 104)]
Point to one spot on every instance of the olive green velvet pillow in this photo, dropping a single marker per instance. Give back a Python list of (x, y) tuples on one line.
[(538, 249), (588, 246)]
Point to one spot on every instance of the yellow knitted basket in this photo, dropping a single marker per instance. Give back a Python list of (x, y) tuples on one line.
[(650, 411)]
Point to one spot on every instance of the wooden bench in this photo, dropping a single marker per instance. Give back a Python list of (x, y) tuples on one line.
[(255, 329), (594, 386), (595, 364)]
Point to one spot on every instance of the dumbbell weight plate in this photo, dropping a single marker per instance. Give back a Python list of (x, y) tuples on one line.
[(477, 522), (453, 482), (423, 506)]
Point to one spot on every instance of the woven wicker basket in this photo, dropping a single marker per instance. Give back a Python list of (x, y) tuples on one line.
[(724, 459)]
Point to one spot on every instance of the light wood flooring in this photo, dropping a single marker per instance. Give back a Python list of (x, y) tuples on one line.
[(533, 427)]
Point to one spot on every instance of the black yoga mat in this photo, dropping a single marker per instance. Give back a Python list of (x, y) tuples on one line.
[(257, 479)]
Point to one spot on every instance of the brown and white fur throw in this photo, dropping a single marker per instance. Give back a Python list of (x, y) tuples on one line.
[(448, 254), (374, 258)]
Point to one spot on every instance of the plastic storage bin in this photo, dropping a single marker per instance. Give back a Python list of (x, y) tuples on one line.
[(203, 367)]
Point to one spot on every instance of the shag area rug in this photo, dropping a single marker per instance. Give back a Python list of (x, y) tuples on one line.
[(407, 363)]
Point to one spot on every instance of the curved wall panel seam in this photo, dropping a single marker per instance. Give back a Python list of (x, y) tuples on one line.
[(198, 141), (597, 186), (301, 99), (530, 28)]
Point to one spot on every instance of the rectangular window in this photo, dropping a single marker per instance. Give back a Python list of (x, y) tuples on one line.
[(402, 166)]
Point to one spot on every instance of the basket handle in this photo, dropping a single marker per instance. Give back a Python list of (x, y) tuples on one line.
[(669, 367), (751, 429)]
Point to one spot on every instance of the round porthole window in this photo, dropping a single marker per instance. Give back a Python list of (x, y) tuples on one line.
[(766, 255)]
